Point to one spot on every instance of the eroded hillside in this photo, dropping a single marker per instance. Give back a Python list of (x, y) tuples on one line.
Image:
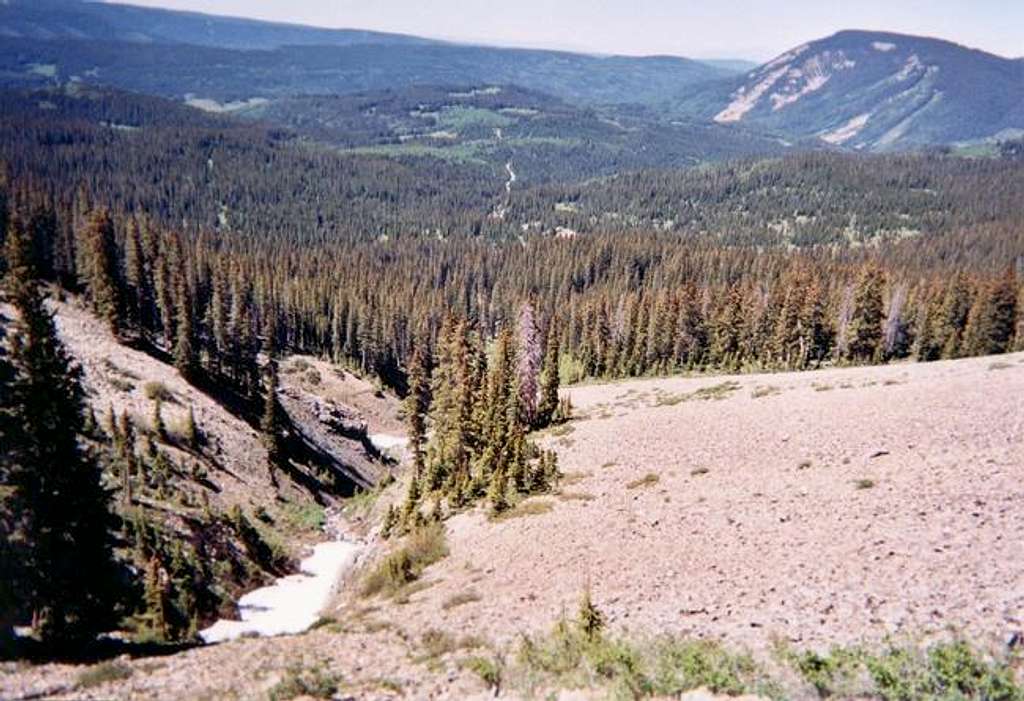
[(768, 512)]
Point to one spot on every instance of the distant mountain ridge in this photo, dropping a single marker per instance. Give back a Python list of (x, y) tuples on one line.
[(856, 90), (88, 19), (877, 91), (140, 49)]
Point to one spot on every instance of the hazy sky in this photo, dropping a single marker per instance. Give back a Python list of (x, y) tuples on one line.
[(753, 29)]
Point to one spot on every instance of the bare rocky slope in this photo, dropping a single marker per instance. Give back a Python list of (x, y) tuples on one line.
[(832, 507), (876, 91), (212, 505)]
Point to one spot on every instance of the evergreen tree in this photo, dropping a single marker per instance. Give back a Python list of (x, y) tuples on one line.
[(135, 279), (497, 492), (454, 389), (953, 318), (159, 427), (928, 337), (590, 619), (864, 340), (417, 404), (103, 280), (218, 321), (817, 336), (164, 298), (189, 432), (272, 421), (549, 381), (185, 350), (155, 596), (66, 521), (993, 318), (728, 329), (12, 509), (126, 458)]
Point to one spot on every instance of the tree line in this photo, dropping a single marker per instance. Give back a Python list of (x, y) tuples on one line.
[(622, 305)]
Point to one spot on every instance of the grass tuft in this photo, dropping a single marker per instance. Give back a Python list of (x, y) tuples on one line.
[(648, 480), (460, 599), (103, 673), (530, 507), (422, 548), (305, 683)]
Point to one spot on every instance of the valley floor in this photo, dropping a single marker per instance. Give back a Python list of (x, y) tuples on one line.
[(820, 508)]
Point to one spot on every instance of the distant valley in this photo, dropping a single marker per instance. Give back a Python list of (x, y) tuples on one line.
[(855, 90)]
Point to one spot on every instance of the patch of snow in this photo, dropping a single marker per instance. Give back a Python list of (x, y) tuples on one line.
[(912, 66), (900, 130), (116, 126), (292, 604), (847, 131), (786, 58), (210, 105), (385, 442), (814, 73), (883, 46), (46, 70), (744, 100), (493, 90), (813, 84)]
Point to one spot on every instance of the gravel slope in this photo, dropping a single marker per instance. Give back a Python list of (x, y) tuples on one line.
[(758, 523)]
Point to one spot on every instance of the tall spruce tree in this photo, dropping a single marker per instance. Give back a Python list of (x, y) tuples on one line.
[(12, 554), (136, 282), (272, 421), (417, 404), (549, 379), (186, 357), (993, 318), (66, 523), (103, 278), (864, 334)]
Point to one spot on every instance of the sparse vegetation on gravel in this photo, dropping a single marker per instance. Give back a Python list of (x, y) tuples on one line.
[(421, 548), (582, 654), (103, 673), (648, 480), (312, 683)]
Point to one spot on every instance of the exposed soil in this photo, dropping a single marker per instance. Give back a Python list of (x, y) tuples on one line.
[(826, 507), (838, 506)]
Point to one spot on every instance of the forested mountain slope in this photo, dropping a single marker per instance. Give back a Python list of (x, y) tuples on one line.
[(199, 502), (47, 20), (541, 138), (212, 173), (875, 91), (175, 55)]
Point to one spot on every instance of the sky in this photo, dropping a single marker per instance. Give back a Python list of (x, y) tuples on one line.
[(749, 29)]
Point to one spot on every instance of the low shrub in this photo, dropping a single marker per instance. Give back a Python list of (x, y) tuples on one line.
[(312, 683), (422, 548), (103, 673), (157, 390)]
